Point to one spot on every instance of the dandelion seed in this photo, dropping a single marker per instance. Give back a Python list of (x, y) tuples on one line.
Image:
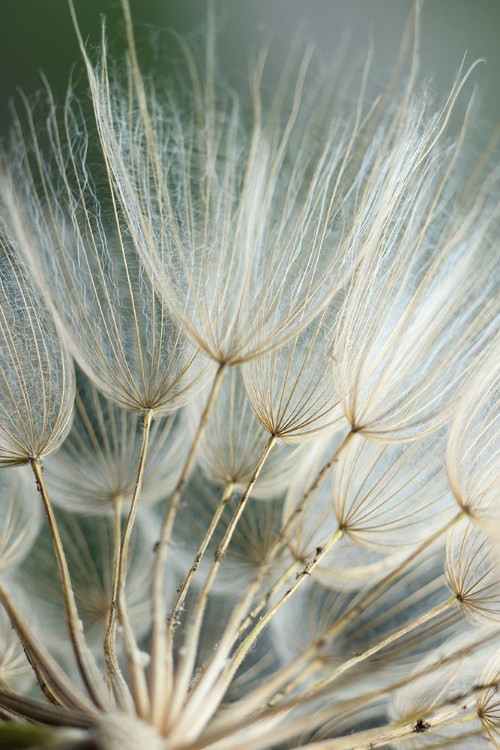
[(443, 687), (472, 572), (245, 252), (473, 455), (423, 304), (96, 467), (234, 441), (36, 377), (487, 704), (291, 389)]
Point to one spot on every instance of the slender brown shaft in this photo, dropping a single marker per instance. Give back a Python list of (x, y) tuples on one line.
[(305, 674), (445, 712), (6, 715), (161, 665), (240, 654), (346, 665), (247, 644), (280, 538), (352, 613), (277, 544), (86, 663), (135, 667), (291, 570), (49, 691), (183, 591), (391, 733), (363, 740), (193, 633), (116, 681)]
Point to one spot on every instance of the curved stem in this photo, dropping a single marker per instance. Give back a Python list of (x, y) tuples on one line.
[(48, 690), (84, 657), (161, 660)]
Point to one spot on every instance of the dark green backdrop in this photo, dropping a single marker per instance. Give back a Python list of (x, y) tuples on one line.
[(37, 35)]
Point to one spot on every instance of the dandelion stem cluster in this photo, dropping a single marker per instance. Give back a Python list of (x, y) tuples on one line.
[(249, 374)]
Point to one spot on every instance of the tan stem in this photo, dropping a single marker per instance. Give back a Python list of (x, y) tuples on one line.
[(199, 703), (391, 733), (48, 690), (261, 737), (116, 681), (183, 591), (306, 673), (345, 666), (135, 665), (86, 663), (363, 603), (449, 707), (291, 570), (387, 641), (188, 659), (249, 641), (161, 662)]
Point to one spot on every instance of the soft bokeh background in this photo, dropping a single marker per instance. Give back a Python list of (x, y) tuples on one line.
[(37, 35)]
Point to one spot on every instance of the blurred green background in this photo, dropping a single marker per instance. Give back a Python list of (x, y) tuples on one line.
[(37, 35)]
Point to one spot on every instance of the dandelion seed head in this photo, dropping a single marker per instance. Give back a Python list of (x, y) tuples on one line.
[(271, 520)]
